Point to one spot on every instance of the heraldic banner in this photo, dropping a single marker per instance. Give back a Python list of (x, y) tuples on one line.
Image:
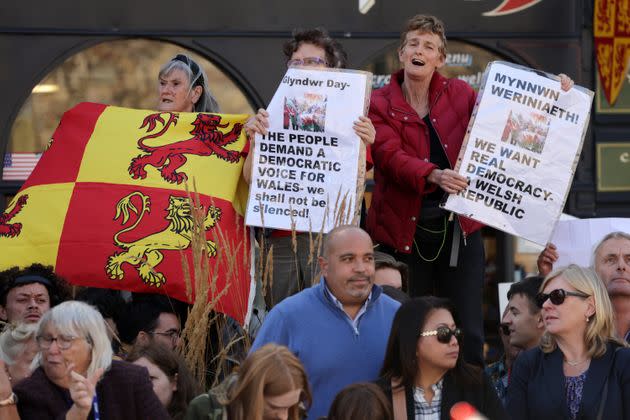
[(611, 30), (107, 204)]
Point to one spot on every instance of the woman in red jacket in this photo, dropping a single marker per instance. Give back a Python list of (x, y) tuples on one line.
[(421, 119)]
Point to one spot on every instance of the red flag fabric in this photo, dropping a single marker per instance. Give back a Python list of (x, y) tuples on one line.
[(107, 204)]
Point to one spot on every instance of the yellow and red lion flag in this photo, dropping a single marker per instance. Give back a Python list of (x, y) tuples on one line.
[(107, 205), (611, 29)]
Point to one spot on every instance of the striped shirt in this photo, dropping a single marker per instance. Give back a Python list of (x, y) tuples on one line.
[(425, 410)]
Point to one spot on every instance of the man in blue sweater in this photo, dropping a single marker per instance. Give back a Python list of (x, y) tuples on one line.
[(340, 326)]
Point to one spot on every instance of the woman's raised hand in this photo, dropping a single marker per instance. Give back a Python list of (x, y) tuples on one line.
[(258, 123)]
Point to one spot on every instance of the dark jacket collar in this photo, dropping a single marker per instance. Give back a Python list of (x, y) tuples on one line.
[(598, 374)]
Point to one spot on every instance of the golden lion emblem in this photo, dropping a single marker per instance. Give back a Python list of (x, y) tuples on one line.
[(145, 253)]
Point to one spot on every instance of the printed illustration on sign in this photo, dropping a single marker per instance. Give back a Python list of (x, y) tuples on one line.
[(306, 112), (145, 253), (528, 130), (12, 230), (207, 140)]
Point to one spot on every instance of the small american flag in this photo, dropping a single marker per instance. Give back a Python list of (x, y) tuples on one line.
[(18, 166)]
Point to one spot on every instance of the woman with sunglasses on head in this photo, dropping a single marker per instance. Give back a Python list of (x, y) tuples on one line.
[(183, 87), (581, 370), (424, 374)]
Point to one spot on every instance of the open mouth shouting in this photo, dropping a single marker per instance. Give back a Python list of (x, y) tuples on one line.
[(417, 62)]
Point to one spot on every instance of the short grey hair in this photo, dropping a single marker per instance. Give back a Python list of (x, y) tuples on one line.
[(612, 235), (207, 101), (13, 340), (81, 320)]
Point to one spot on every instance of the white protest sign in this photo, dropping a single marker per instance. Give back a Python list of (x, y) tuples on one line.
[(504, 288), (520, 152), (304, 174), (576, 239)]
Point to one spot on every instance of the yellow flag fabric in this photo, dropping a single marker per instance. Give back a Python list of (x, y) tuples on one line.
[(107, 204)]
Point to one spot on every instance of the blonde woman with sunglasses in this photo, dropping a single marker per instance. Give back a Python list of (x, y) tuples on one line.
[(424, 374), (581, 370)]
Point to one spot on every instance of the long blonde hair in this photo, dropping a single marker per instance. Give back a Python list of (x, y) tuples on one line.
[(272, 370), (600, 329)]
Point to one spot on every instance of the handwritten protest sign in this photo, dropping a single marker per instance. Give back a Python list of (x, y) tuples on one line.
[(520, 152), (305, 169)]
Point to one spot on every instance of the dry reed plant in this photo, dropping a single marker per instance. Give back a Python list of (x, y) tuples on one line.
[(196, 330), (203, 281)]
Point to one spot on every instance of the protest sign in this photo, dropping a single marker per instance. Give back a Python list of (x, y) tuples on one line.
[(576, 239), (305, 170), (520, 152)]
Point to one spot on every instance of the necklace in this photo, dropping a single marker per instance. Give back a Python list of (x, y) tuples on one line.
[(570, 363)]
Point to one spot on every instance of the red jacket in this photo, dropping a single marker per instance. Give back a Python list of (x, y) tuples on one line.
[(401, 155)]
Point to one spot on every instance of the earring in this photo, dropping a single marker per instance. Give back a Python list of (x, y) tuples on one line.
[(588, 318)]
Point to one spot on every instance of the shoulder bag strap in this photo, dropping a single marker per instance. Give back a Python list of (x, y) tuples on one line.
[(398, 401)]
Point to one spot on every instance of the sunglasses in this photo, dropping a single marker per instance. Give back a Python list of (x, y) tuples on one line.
[(557, 296), (443, 334)]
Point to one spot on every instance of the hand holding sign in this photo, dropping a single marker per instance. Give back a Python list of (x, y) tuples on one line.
[(449, 180), (365, 130), (566, 83), (546, 259), (257, 124)]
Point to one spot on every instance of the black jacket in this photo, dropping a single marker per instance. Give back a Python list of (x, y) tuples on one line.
[(537, 391), (483, 397), (124, 392)]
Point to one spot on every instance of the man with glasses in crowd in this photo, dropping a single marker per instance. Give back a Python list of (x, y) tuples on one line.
[(151, 319)]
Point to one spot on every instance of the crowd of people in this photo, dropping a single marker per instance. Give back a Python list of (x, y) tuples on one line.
[(391, 328)]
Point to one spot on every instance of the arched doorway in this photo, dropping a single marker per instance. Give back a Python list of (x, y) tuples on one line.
[(119, 72)]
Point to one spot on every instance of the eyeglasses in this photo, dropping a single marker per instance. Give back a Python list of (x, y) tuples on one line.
[(173, 335), (443, 334), (64, 342), (557, 296), (307, 61), (505, 329)]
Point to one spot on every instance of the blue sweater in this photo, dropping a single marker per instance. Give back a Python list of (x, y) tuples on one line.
[(322, 336)]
